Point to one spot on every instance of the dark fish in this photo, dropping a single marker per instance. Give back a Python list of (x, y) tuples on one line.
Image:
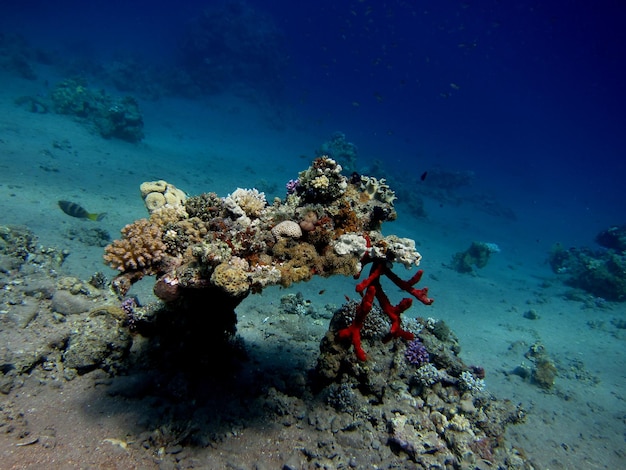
[(424, 175), (73, 209)]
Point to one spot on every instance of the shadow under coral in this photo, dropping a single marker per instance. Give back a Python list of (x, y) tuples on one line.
[(192, 381)]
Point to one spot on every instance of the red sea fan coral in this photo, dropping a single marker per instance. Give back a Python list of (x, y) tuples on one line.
[(140, 249)]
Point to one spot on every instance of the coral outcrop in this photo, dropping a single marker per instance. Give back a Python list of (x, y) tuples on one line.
[(602, 273), (118, 118), (477, 254), (418, 397), (222, 249)]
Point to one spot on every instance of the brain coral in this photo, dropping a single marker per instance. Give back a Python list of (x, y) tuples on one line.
[(157, 194), (140, 249), (287, 228)]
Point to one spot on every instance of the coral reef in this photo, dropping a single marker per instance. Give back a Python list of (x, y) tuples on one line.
[(339, 149), (613, 238), (222, 249), (436, 415)]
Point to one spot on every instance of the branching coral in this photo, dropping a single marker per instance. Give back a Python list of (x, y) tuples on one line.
[(371, 288), (140, 249)]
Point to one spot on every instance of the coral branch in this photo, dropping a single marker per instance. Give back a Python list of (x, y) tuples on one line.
[(372, 287)]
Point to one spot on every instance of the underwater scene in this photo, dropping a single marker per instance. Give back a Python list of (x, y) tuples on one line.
[(312, 235)]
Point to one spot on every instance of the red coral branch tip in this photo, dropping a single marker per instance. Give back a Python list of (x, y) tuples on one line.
[(353, 333)]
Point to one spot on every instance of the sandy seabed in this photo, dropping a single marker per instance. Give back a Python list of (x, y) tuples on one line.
[(87, 422)]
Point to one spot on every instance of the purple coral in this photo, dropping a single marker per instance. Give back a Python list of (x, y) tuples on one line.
[(292, 186), (128, 305), (416, 353)]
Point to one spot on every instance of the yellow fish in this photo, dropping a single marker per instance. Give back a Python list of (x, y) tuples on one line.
[(74, 210)]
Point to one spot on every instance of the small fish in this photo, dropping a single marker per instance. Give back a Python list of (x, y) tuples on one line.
[(74, 210), (424, 175)]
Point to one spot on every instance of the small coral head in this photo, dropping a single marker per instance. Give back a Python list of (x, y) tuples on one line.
[(292, 186), (416, 353)]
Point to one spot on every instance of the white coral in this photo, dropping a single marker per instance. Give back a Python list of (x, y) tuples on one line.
[(350, 243), (251, 201), (402, 249), (262, 275), (235, 209), (287, 229)]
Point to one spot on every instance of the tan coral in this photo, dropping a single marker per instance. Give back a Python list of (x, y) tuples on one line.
[(140, 249), (232, 279), (174, 196), (154, 201), (287, 229), (168, 215), (157, 194), (152, 187)]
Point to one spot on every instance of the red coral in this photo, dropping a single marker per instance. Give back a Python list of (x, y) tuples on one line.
[(372, 287)]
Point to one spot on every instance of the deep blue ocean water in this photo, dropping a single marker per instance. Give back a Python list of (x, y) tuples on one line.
[(528, 95)]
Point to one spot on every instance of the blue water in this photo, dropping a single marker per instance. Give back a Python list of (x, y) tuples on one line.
[(527, 95)]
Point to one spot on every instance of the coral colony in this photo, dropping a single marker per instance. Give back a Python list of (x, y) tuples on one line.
[(373, 289), (416, 353), (211, 250)]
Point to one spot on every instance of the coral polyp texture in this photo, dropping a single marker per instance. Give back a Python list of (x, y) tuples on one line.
[(217, 250), (140, 249)]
